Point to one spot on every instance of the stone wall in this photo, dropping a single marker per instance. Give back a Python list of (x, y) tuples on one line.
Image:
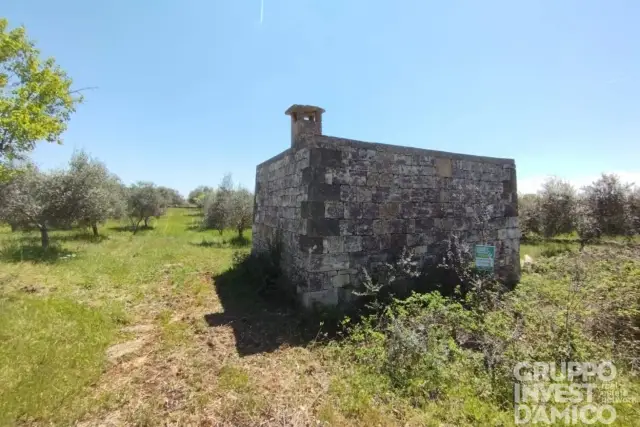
[(341, 205), (279, 194)]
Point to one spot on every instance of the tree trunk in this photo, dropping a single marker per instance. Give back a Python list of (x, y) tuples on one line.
[(14, 228), (94, 227), (240, 231), (220, 231), (135, 227), (146, 222), (44, 235)]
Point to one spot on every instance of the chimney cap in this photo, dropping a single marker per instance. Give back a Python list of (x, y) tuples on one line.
[(297, 108)]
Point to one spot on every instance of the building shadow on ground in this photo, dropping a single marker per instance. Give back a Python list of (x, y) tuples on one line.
[(263, 319)]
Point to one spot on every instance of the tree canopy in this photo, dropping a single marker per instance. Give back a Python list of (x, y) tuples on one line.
[(36, 199), (36, 100), (143, 202), (96, 194)]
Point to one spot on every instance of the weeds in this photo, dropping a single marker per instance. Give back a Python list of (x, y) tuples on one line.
[(430, 348)]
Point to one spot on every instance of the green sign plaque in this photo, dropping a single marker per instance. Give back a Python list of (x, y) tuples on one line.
[(485, 257)]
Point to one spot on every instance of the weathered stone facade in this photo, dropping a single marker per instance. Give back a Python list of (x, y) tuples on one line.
[(338, 205)]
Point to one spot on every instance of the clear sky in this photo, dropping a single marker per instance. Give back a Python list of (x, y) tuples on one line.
[(188, 90)]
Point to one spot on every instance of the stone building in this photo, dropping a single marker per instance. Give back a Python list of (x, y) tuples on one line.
[(337, 205)]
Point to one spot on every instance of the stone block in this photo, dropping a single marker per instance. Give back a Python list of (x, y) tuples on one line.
[(385, 180), (352, 210), (325, 157), (363, 194), (316, 281), (328, 262), (333, 210), (323, 298), (379, 226), (348, 193), (513, 233), (380, 194), (370, 243), (397, 242), (346, 227), (320, 227), (324, 192), (364, 227), (310, 175), (444, 167), (340, 280), (395, 226), (389, 209), (312, 209), (511, 209), (424, 225), (309, 244), (420, 250), (370, 210), (333, 244), (402, 159), (417, 239), (352, 243)]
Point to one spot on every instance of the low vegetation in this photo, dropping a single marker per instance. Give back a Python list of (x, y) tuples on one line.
[(177, 325), (429, 358)]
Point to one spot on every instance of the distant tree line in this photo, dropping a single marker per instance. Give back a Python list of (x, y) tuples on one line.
[(606, 207), (224, 207), (85, 194)]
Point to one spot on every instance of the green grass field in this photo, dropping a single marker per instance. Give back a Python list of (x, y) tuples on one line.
[(144, 330), (61, 310)]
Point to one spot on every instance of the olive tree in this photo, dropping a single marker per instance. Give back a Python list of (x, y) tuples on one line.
[(529, 213), (199, 194), (96, 193), (36, 100), (172, 197), (557, 207), (608, 201), (217, 205), (240, 210), (634, 208), (143, 202), (216, 211), (37, 199)]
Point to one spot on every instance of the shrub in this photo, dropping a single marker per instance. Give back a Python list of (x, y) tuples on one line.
[(430, 346)]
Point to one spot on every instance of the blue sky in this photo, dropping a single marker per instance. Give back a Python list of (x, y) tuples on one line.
[(189, 90)]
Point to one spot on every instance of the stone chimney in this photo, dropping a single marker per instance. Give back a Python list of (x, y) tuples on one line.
[(306, 121)]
